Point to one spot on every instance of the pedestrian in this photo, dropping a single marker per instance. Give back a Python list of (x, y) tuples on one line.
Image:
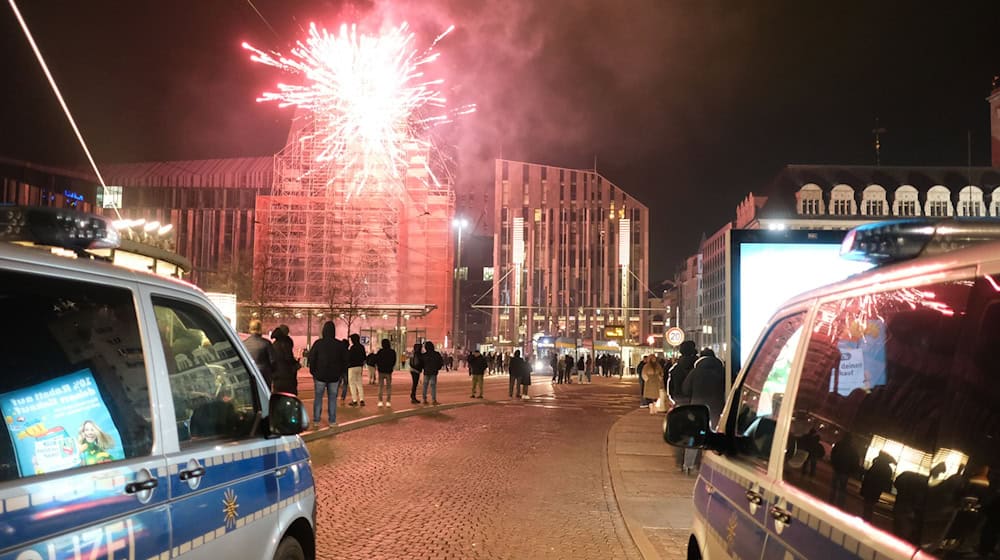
[(652, 371), (372, 370), (846, 463), (516, 370), (356, 370), (679, 371), (580, 366), (811, 444), (706, 384), (286, 367), (416, 365), (433, 362), (589, 367), (878, 479), (477, 368), (385, 362), (554, 362), (328, 366), (262, 352), (569, 364), (525, 379), (642, 383)]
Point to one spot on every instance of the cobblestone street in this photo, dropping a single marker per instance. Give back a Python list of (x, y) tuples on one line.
[(498, 480)]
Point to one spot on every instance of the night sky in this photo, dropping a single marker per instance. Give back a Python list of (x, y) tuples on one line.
[(686, 104)]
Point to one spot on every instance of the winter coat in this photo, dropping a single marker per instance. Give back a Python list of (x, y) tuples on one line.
[(877, 479), (385, 360), (652, 375), (356, 356), (844, 458), (262, 352), (328, 357), (417, 362), (433, 362), (286, 367), (519, 370), (706, 384), (477, 365), (678, 373)]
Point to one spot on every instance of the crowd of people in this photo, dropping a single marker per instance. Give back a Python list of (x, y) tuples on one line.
[(337, 367)]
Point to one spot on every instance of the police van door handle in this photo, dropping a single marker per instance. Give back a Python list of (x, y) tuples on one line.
[(280, 471), (135, 487), (781, 515), (754, 498), (192, 473)]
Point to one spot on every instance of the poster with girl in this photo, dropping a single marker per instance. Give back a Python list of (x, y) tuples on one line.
[(60, 424)]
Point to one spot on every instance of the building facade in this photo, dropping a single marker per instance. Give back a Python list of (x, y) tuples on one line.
[(571, 254)]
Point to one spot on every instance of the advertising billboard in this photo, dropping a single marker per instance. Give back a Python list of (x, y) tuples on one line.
[(770, 266), (60, 424)]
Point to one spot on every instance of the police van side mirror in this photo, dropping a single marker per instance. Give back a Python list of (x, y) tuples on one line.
[(287, 415), (689, 426)]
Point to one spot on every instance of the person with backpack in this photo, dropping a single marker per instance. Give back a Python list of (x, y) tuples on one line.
[(477, 368), (433, 362), (416, 365)]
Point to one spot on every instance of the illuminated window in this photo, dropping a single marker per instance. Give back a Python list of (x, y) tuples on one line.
[(487, 273), (109, 197)]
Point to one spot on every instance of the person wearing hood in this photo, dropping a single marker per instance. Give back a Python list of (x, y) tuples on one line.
[(477, 369), (520, 375), (433, 362), (286, 367), (680, 371), (416, 366), (328, 366), (705, 384)]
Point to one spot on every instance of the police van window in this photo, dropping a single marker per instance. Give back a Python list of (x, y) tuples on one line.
[(891, 421), (213, 393), (763, 389), (74, 389)]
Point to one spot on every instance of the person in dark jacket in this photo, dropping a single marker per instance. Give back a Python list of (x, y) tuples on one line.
[(554, 362), (477, 369), (433, 362), (705, 384), (846, 462), (356, 370), (416, 366), (567, 372), (878, 479), (286, 367), (385, 363), (262, 352), (517, 369), (679, 371), (328, 366)]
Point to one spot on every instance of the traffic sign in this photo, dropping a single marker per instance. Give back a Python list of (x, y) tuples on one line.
[(675, 336)]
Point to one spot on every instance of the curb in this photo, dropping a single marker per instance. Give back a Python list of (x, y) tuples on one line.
[(646, 548), (382, 418)]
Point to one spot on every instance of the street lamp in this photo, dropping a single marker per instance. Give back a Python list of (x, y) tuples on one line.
[(459, 224)]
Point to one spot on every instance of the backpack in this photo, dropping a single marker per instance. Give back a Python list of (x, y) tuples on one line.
[(370, 360)]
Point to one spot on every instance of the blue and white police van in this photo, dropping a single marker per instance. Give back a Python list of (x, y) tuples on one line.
[(134, 423), (866, 423)]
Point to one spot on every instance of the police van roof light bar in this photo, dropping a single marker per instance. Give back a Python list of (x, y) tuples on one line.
[(57, 227), (900, 240)]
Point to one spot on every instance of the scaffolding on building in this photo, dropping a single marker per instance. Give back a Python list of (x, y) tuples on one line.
[(319, 244)]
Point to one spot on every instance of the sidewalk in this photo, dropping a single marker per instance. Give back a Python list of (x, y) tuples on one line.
[(652, 494)]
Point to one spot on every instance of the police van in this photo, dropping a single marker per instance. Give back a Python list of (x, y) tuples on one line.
[(134, 423), (866, 423)]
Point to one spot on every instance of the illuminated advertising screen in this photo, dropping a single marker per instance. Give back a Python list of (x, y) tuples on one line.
[(60, 424), (769, 267)]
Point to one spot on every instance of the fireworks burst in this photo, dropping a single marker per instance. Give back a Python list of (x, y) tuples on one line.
[(367, 95)]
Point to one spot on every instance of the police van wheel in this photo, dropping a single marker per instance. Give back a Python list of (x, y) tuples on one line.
[(289, 549)]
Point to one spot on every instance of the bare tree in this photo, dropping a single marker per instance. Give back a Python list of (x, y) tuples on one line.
[(347, 295)]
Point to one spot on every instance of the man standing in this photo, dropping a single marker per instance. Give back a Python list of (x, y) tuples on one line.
[(385, 362), (554, 362), (356, 370), (433, 362), (286, 367), (706, 384), (518, 367), (477, 369), (328, 366), (261, 351), (416, 365)]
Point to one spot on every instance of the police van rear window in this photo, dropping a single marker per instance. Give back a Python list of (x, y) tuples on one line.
[(74, 389)]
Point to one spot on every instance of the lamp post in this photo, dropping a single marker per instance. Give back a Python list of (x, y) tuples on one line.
[(459, 224)]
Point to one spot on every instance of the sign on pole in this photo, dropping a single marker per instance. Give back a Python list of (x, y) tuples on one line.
[(675, 336)]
